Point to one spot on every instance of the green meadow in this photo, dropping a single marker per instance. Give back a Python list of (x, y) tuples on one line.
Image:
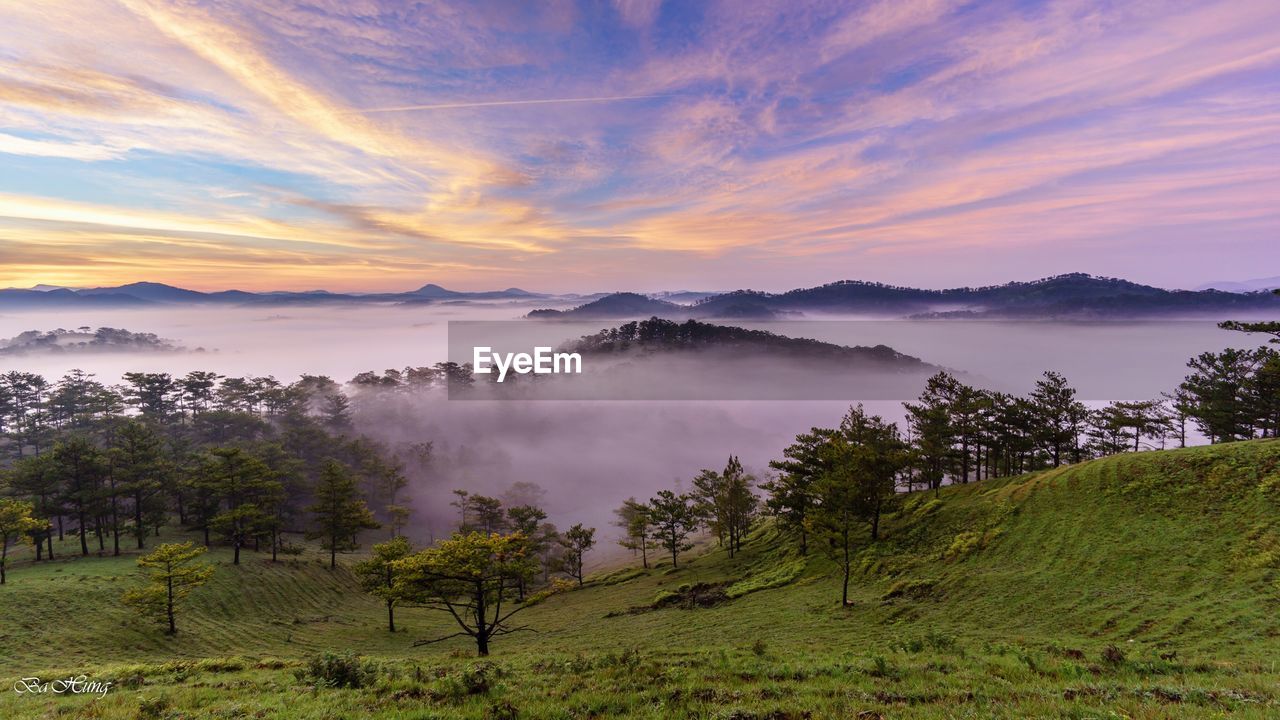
[(1144, 585)]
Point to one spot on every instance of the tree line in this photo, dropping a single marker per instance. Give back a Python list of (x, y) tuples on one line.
[(241, 461)]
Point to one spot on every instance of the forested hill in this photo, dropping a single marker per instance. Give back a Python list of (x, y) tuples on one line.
[(1063, 296), (1071, 296), (103, 339), (659, 336)]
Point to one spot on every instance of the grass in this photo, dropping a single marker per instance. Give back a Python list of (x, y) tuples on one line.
[(1138, 586)]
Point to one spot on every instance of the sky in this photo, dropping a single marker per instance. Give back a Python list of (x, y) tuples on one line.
[(636, 144)]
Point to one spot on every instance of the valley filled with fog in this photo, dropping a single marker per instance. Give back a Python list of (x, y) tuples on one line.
[(590, 455)]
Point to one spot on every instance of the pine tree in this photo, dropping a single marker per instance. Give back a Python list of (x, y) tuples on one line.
[(577, 540), (339, 511), (16, 523), (674, 517), (174, 575), (377, 574)]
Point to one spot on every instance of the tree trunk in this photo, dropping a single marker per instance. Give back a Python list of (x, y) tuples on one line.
[(391, 615), (844, 590), (137, 521), (115, 527), (84, 542), (173, 628)]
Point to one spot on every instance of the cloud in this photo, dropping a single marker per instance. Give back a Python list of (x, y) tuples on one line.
[(778, 143)]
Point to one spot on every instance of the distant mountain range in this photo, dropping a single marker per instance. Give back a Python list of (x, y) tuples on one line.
[(1254, 285), (143, 294), (1073, 296)]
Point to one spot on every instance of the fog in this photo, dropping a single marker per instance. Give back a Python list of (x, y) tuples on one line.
[(591, 454)]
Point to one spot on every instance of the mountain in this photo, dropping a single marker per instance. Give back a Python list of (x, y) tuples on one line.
[(152, 293), (616, 306), (1074, 296), (18, 299), (435, 292), (149, 291), (1243, 286)]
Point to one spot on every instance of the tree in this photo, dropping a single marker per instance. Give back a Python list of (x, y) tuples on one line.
[(174, 575), (1268, 327), (577, 540), (933, 432), (864, 458), (1216, 394), (195, 390), (377, 574), (472, 577), (479, 513), (633, 519), (242, 490), (726, 503), (529, 521), (139, 471), (791, 492), (16, 523), (674, 517), (1058, 416), (154, 394), (339, 511), (36, 478), (81, 468)]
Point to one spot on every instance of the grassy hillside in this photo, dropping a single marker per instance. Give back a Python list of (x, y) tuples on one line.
[(1143, 586)]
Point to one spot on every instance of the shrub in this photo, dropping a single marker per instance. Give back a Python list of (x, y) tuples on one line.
[(913, 589), (962, 545), (782, 574), (338, 670), (479, 678), (501, 710), (665, 597), (153, 709), (1112, 655)]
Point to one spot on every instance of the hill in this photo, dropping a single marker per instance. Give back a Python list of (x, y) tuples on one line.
[(656, 336), (104, 339), (1140, 586), (1072, 296), (617, 305)]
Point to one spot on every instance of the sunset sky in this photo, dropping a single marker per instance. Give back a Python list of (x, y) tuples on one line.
[(636, 144)]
